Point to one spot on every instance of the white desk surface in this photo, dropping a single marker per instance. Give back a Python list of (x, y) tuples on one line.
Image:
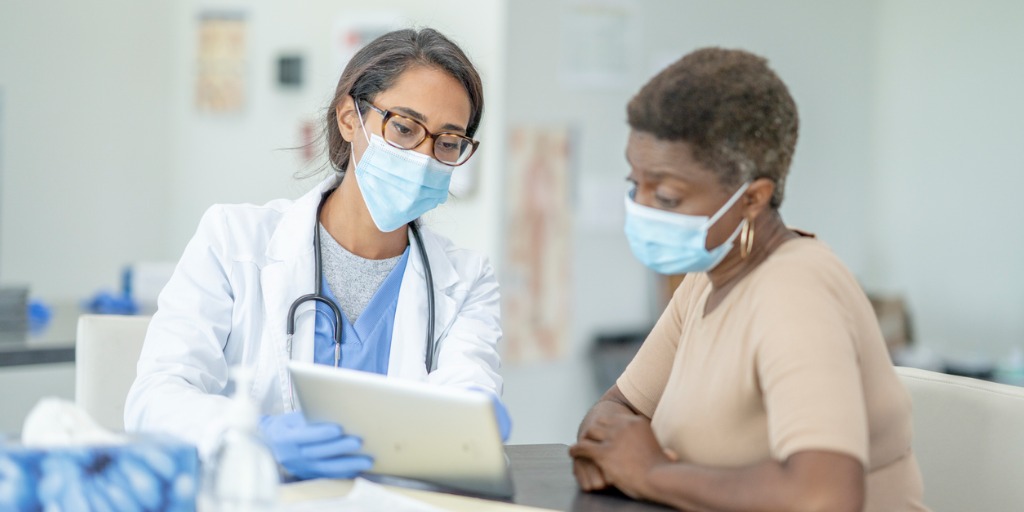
[(325, 489)]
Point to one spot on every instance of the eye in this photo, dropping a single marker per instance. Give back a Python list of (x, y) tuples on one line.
[(667, 202), (401, 128)]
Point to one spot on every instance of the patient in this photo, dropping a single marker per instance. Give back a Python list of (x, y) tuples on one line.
[(766, 384)]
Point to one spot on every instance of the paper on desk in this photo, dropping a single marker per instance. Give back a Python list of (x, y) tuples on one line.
[(365, 496)]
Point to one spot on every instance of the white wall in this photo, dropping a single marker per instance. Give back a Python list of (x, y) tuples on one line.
[(822, 50), (85, 141), (950, 154)]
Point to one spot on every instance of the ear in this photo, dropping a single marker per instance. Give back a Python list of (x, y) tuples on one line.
[(758, 197), (348, 120)]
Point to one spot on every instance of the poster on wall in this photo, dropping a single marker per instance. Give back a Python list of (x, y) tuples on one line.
[(352, 31), (600, 40), (220, 62), (536, 280)]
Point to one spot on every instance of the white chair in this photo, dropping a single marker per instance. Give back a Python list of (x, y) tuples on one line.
[(969, 441), (107, 349)]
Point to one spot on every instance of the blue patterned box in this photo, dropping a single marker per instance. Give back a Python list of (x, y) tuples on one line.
[(144, 475)]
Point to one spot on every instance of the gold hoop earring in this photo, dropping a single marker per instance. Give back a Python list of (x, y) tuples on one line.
[(746, 238)]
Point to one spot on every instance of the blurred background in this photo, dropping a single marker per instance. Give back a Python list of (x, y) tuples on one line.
[(122, 121)]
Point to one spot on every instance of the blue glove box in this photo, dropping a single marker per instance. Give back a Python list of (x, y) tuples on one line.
[(144, 475)]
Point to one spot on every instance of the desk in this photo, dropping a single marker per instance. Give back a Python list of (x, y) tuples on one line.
[(542, 474), (53, 344)]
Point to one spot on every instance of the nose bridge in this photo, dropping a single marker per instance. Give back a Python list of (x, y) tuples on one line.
[(426, 146)]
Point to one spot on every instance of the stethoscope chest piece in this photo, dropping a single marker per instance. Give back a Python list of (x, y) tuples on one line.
[(318, 295)]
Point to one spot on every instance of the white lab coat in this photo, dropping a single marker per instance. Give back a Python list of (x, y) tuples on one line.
[(227, 304)]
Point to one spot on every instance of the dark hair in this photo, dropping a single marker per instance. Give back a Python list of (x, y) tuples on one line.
[(730, 107), (377, 66)]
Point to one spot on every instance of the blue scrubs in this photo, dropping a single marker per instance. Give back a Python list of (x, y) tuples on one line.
[(365, 346)]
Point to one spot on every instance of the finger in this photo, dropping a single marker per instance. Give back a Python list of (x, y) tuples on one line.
[(344, 445), (585, 449), (579, 471), (574, 450), (597, 433), (310, 433), (584, 476), (671, 454), (347, 466), (597, 479), (589, 473)]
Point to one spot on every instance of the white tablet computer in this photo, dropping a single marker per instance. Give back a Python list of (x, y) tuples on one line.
[(446, 437)]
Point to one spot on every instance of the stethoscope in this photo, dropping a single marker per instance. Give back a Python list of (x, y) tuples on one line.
[(318, 296)]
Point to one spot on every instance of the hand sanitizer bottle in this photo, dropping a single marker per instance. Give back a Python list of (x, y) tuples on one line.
[(241, 473)]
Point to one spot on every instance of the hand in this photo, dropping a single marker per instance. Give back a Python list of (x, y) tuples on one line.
[(504, 420), (588, 474), (313, 450), (623, 450)]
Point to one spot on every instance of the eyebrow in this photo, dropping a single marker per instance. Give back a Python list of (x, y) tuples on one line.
[(423, 119), (651, 174)]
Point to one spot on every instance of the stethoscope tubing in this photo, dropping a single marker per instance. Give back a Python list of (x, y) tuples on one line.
[(318, 296)]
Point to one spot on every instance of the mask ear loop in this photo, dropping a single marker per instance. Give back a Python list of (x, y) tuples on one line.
[(725, 207), (728, 204)]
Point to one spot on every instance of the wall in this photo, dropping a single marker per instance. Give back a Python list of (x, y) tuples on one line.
[(85, 141), (828, 192), (950, 153)]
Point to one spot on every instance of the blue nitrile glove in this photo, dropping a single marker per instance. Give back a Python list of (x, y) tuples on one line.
[(39, 314), (313, 450), (106, 303), (500, 413)]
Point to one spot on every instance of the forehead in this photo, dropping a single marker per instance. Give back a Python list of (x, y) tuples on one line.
[(674, 159), (431, 92)]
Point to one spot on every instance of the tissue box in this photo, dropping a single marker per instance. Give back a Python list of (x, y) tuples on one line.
[(143, 475)]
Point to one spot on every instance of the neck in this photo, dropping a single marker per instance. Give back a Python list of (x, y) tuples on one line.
[(348, 221), (769, 233)]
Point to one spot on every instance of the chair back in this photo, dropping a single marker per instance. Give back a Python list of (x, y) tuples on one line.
[(107, 350), (969, 441)]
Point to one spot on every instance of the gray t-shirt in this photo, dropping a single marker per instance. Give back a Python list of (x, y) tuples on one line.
[(353, 280)]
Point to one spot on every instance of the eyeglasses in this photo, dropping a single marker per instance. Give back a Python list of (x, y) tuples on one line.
[(406, 133)]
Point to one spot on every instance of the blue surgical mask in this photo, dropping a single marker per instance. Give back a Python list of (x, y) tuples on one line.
[(674, 243), (399, 185)]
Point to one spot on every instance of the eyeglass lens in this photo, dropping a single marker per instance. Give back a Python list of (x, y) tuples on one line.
[(406, 133)]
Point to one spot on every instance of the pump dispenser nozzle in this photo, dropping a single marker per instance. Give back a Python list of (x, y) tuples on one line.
[(242, 413)]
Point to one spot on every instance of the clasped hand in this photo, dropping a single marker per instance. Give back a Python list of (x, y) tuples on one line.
[(313, 450), (617, 449)]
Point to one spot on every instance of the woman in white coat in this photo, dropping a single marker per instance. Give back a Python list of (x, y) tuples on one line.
[(402, 119)]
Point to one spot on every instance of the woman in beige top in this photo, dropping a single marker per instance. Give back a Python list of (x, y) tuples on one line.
[(766, 384)]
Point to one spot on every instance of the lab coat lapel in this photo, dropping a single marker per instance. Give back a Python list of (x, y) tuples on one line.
[(408, 343), (289, 274)]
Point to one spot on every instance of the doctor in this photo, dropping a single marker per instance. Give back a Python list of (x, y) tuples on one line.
[(346, 268)]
